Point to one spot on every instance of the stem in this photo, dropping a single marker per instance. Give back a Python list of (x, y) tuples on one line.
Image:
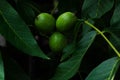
[(55, 7), (101, 33)]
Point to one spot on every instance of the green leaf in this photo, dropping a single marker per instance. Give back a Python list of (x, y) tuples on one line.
[(115, 41), (106, 70), (96, 8), (68, 50), (114, 29), (13, 71), (25, 10), (69, 68), (115, 20), (14, 29), (116, 17), (1, 68)]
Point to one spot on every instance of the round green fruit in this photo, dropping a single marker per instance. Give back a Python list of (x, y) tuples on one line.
[(65, 21), (57, 42), (45, 22)]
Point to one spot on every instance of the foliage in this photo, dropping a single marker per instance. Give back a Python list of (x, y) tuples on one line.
[(92, 52)]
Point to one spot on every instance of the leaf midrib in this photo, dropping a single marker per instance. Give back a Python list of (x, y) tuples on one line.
[(14, 30), (113, 69), (78, 61)]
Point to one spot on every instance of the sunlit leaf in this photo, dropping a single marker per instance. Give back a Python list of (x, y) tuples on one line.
[(105, 71), (13, 28), (96, 8), (69, 68)]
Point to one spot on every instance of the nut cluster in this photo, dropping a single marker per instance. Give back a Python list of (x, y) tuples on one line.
[(46, 23)]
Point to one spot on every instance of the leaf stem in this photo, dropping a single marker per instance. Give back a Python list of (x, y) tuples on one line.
[(101, 33), (55, 7)]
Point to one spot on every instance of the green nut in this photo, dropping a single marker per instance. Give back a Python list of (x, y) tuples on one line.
[(45, 22), (57, 42), (65, 21)]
